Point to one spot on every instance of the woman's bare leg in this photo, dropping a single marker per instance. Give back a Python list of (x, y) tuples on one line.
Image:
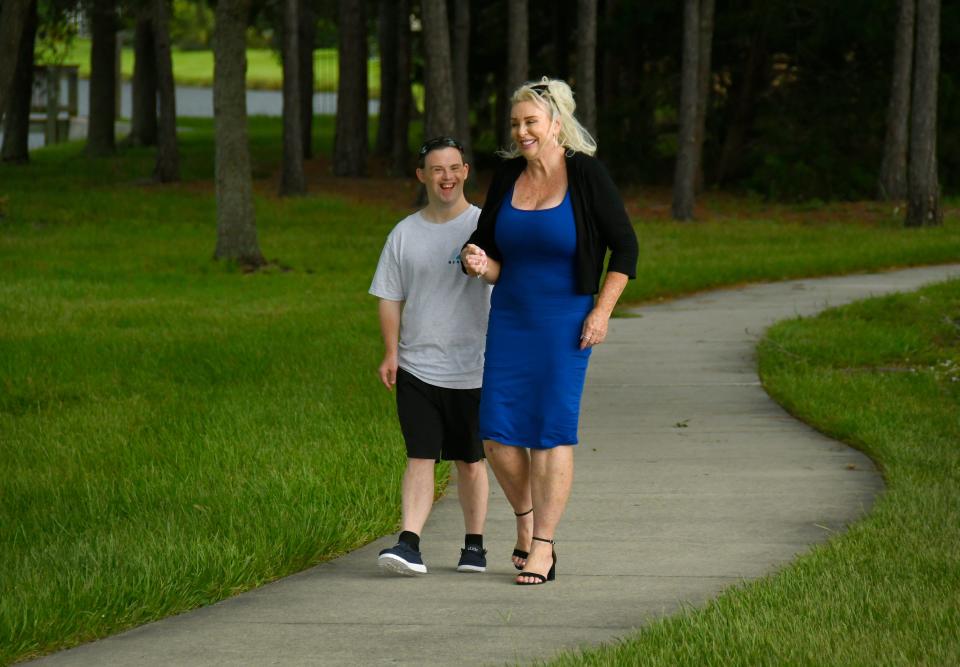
[(511, 467), (551, 477)]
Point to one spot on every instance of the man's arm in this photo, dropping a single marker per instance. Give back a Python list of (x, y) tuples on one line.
[(389, 312)]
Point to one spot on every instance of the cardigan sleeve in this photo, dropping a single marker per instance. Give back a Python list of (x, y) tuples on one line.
[(611, 219), (484, 236)]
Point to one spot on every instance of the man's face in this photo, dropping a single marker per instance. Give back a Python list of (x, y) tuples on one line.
[(443, 174)]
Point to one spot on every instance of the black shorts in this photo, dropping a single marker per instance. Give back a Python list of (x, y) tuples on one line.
[(438, 423)]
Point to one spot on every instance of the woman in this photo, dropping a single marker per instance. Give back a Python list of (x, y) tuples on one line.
[(551, 213)]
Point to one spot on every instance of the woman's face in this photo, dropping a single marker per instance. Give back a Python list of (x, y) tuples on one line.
[(532, 129)]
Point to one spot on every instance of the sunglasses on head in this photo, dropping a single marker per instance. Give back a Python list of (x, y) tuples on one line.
[(440, 142)]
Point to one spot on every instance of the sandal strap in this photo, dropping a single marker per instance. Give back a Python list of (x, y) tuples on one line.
[(540, 539), (523, 513)]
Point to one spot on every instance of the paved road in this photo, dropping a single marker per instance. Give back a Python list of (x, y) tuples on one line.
[(195, 101), (689, 479)]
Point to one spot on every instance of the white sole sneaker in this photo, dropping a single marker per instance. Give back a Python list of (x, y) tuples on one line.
[(396, 565), (471, 568)]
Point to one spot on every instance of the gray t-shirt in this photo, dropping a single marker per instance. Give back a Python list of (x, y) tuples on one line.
[(443, 327)]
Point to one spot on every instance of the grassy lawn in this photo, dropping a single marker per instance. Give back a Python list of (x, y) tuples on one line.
[(173, 431), (264, 70), (884, 376)]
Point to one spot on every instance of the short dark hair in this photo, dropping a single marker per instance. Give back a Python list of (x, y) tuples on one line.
[(435, 144)]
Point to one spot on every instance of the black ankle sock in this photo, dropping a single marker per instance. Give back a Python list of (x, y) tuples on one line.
[(410, 538), (474, 540)]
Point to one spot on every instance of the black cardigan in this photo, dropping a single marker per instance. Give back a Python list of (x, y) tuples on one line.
[(598, 213)]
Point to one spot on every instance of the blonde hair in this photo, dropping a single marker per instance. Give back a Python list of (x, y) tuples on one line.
[(555, 97)]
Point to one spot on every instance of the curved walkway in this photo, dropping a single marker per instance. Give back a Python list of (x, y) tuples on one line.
[(689, 479)]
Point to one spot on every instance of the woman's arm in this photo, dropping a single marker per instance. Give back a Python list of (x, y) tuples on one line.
[(484, 236), (477, 263), (594, 329), (611, 218)]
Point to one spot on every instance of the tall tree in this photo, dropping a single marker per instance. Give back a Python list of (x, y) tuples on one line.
[(387, 17), (752, 79), (350, 136), (401, 115), (684, 174), (167, 168), (587, 64), (460, 55), (439, 111), (236, 226), (518, 58), (923, 194), (103, 78), (305, 46), (143, 121), (16, 122), (703, 87), (13, 17), (893, 168), (292, 180)]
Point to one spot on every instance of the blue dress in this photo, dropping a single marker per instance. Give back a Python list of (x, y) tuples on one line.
[(533, 366)]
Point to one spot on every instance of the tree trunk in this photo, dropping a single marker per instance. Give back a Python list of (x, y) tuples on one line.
[(683, 191), (893, 167), (167, 168), (561, 42), (753, 76), (460, 53), (103, 79), (350, 137), (439, 111), (387, 18), (292, 179), (587, 64), (518, 59), (401, 119), (16, 122), (609, 62), (236, 227), (308, 39), (703, 88), (143, 123), (923, 206), (13, 18)]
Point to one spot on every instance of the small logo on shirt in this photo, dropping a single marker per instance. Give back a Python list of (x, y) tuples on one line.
[(455, 259)]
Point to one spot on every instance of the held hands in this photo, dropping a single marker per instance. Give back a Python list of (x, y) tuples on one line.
[(388, 371), (594, 329), (474, 260)]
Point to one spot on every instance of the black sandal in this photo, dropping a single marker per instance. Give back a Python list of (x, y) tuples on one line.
[(519, 553), (551, 575)]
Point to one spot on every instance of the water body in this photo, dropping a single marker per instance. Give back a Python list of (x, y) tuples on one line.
[(197, 101)]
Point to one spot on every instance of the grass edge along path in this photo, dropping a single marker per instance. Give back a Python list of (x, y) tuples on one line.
[(882, 375)]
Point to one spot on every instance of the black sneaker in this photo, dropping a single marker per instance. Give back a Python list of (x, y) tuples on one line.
[(472, 559), (402, 559)]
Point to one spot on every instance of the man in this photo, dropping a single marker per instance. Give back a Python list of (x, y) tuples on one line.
[(433, 319)]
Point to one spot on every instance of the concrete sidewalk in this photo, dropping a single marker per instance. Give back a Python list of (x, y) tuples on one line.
[(688, 479)]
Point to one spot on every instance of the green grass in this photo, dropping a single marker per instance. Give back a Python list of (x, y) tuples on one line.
[(174, 431), (682, 258), (264, 69), (884, 376)]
